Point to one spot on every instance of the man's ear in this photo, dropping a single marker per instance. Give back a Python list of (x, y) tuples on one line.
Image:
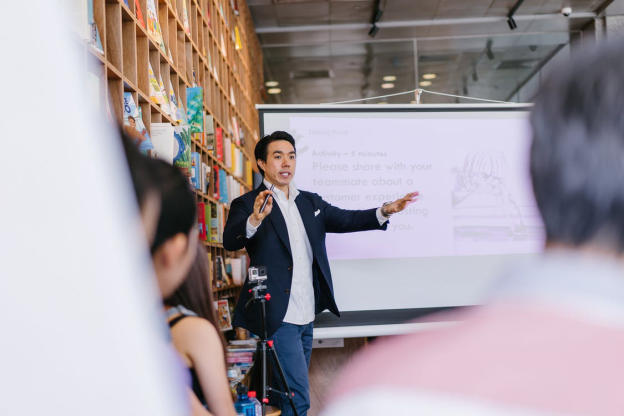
[(261, 164), (172, 250)]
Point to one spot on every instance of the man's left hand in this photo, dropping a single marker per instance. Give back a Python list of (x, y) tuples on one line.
[(399, 205)]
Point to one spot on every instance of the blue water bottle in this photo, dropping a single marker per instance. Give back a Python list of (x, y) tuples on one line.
[(244, 406)]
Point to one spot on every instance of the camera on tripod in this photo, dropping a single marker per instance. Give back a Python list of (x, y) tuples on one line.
[(257, 273)]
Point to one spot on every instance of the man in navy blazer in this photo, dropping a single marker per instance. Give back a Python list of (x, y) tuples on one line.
[(288, 237)]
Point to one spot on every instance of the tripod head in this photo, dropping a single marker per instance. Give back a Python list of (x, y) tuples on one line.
[(257, 275)]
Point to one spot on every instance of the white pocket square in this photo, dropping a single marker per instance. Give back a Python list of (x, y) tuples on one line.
[(316, 213)]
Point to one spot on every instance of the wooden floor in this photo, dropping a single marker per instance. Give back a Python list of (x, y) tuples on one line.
[(325, 366)]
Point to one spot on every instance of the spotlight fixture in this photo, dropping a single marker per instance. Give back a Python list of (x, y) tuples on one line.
[(274, 90), (510, 20), (389, 78), (424, 83), (271, 83), (429, 76), (373, 31), (383, 102), (387, 85)]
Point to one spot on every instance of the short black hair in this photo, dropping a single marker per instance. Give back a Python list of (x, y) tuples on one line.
[(577, 154), (262, 147)]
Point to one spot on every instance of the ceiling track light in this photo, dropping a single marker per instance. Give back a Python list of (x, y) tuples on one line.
[(510, 20), (373, 31)]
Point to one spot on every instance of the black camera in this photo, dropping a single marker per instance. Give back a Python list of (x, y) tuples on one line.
[(257, 273)]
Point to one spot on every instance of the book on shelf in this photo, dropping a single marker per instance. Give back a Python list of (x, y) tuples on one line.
[(165, 104), (235, 7), (220, 221), (214, 224), (227, 151), (185, 20), (223, 314), (215, 183), (156, 94), (153, 27), (201, 220), (208, 220), (205, 177), (163, 140), (238, 42), (236, 131), (127, 5), (133, 124), (219, 273), (219, 143), (209, 131), (237, 270), (94, 34), (194, 103), (232, 97), (182, 148), (195, 169), (139, 14), (249, 175), (223, 51), (223, 191)]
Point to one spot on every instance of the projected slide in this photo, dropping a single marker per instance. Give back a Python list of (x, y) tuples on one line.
[(471, 172)]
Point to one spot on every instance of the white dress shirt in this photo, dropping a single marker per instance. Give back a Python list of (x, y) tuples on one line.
[(300, 309)]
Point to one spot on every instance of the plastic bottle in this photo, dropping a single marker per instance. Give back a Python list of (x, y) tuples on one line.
[(244, 406), (252, 397)]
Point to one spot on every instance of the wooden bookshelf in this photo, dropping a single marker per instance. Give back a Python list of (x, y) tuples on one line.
[(231, 78)]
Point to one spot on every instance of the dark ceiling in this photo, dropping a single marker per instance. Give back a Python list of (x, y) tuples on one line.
[(320, 51)]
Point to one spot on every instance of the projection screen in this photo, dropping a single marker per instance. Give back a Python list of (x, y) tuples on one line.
[(475, 216)]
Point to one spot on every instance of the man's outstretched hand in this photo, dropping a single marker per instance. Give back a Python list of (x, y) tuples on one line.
[(256, 218), (400, 204)]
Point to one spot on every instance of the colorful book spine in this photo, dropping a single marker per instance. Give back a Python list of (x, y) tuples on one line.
[(223, 191), (219, 143), (195, 169), (201, 220), (139, 14), (215, 183), (194, 106), (182, 148), (214, 224), (208, 219)]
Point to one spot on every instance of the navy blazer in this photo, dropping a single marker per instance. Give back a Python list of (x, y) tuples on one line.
[(270, 247)]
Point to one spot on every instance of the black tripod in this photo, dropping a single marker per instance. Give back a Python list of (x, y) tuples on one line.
[(265, 346)]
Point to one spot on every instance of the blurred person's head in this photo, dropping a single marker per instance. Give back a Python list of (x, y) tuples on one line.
[(577, 156), (195, 293), (146, 188), (276, 157), (175, 243)]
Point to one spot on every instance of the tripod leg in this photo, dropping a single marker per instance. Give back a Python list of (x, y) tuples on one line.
[(280, 371), (264, 378)]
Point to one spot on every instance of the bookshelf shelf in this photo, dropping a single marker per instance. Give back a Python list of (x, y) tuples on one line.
[(199, 50)]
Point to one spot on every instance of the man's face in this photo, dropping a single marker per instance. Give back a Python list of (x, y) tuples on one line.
[(281, 161)]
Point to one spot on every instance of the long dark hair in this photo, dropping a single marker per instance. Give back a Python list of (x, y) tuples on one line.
[(196, 294)]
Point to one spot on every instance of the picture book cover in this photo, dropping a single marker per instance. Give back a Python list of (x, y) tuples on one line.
[(154, 89), (165, 102), (195, 103), (163, 140), (173, 102), (133, 124), (195, 169), (153, 27), (223, 314), (182, 148), (127, 5), (139, 13), (94, 34)]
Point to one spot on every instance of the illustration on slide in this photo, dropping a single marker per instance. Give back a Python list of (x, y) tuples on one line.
[(484, 208)]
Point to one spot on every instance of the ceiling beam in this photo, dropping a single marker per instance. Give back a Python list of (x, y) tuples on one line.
[(417, 23)]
